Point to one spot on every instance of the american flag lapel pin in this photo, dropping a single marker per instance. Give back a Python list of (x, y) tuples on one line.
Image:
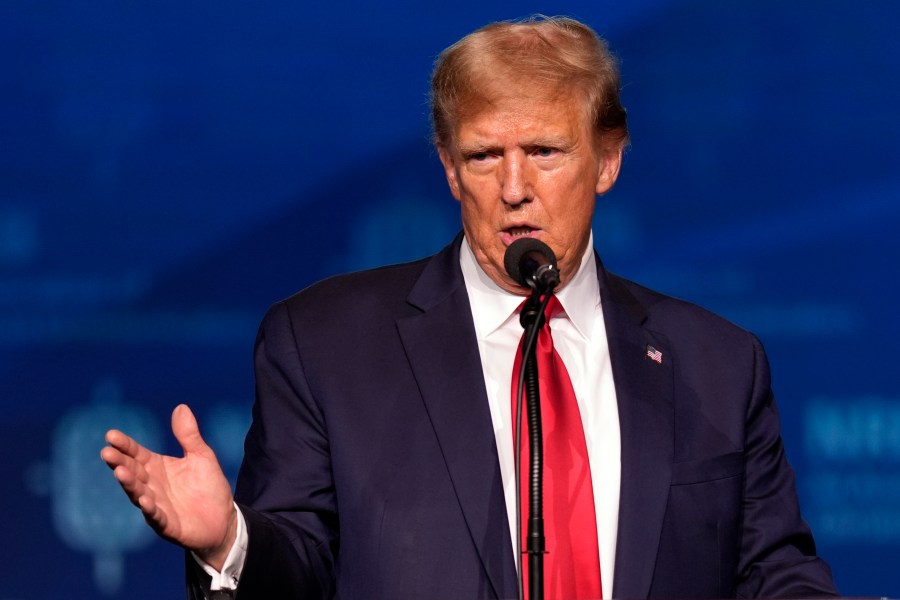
[(654, 354)]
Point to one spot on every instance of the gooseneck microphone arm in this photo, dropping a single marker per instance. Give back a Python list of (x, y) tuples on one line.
[(532, 319), (533, 264)]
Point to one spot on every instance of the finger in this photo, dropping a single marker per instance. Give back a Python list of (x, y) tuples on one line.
[(133, 487), (186, 430), (127, 445), (154, 516), (115, 459)]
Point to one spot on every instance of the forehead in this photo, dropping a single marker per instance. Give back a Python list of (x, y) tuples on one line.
[(524, 115)]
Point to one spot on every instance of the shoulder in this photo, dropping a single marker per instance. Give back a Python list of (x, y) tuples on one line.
[(703, 343), (678, 318), (383, 285), (350, 298)]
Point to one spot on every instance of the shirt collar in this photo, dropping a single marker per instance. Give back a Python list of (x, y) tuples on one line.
[(579, 298)]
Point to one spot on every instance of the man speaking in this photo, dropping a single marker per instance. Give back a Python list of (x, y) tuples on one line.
[(380, 460)]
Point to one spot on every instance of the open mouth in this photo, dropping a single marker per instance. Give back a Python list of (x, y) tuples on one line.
[(518, 232), (511, 234)]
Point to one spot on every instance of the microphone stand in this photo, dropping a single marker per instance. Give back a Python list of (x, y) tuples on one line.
[(532, 319)]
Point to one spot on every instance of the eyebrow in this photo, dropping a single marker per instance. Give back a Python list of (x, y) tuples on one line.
[(551, 141), (475, 148)]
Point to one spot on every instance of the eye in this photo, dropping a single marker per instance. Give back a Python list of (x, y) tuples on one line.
[(545, 151), (478, 156)]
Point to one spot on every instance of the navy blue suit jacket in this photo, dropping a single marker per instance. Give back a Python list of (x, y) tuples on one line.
[(371, 468)]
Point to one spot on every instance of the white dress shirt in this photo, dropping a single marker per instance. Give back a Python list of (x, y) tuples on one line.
[(579, 336)]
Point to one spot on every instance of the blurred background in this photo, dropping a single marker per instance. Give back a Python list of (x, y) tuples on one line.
[(170, 169)]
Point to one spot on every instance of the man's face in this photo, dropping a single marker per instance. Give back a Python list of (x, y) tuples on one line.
[(528, 167)]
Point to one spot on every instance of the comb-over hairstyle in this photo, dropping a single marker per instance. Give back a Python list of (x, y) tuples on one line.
[(554, 56)]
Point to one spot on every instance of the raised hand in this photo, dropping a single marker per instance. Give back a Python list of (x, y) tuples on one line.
[(185, 500)]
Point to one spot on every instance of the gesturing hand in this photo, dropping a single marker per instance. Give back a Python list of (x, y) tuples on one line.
[(185, 500)]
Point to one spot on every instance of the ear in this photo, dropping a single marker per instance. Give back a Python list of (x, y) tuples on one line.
[(608, 169), (450, 171)]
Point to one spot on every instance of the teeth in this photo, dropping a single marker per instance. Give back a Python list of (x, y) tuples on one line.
[(519, 231)]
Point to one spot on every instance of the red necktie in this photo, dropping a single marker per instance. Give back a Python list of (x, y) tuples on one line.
[(571, 565)]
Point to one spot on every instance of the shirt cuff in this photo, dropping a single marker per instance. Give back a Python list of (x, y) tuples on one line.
[(234, 562)]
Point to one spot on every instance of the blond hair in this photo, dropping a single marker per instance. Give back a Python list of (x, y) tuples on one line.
[(553, 55)]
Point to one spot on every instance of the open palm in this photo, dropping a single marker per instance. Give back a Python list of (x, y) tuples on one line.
[(186, 500)]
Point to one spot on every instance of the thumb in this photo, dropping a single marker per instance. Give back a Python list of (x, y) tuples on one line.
[(186, 430)]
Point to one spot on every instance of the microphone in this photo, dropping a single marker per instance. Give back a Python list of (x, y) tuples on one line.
[(532, 264)]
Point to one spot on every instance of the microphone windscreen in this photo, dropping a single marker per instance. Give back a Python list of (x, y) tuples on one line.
[(516, 251)]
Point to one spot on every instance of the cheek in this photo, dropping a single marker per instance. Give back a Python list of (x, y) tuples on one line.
[(479, 188), (475, 221), (476, 204), (573, 222)]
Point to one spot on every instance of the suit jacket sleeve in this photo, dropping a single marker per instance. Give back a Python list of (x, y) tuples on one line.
[(286, 477), (370, 403), (777, 553)]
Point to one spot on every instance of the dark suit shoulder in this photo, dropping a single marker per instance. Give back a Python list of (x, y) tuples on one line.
[(361, 294), (677, 318), (376, 296)]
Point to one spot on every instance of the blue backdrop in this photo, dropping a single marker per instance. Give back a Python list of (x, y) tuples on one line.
[(169, 169)]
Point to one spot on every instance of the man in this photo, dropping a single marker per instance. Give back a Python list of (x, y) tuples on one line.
[(380, 463)]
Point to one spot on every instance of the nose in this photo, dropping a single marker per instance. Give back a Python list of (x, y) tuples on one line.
[(514, 186)]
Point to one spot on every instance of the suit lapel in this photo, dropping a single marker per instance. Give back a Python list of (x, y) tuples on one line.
[(646, 420), (443, 354)]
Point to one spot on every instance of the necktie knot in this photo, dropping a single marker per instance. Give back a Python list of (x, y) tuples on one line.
[(554, 308)]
